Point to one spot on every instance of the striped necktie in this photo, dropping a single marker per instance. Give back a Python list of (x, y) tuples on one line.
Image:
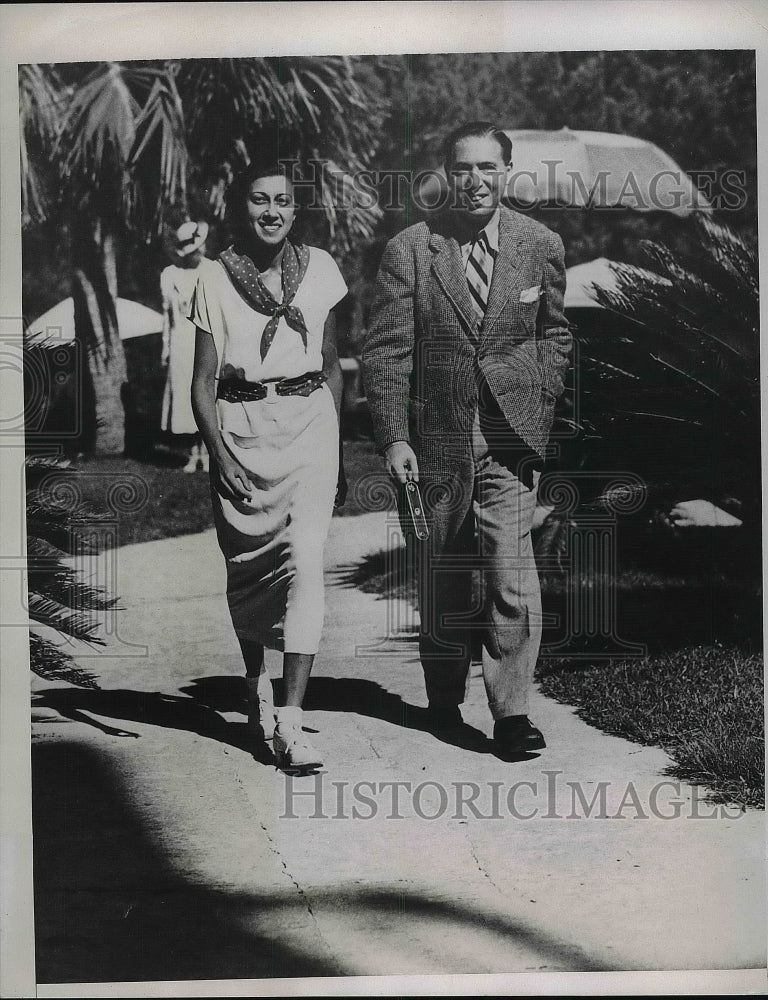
[(478, 268)]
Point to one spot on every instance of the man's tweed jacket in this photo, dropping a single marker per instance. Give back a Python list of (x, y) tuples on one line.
[(425, 346)]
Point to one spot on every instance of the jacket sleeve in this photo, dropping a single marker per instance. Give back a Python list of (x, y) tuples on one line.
[(555, 341), (387, 356)]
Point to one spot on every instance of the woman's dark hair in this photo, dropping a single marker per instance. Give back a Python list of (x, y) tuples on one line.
[(477, 130)]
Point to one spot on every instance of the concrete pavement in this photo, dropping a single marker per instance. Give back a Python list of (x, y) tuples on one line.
[(165, 850)]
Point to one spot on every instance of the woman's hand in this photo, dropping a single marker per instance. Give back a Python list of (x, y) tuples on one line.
[(234, 478)]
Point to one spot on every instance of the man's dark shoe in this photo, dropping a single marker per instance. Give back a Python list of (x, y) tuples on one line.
[(444, 719), (516, 735)]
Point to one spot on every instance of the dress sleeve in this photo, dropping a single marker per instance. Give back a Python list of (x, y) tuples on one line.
[(205, 311), (200, 307), (333, 282)]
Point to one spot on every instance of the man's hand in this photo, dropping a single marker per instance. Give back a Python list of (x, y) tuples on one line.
[(401, 462)]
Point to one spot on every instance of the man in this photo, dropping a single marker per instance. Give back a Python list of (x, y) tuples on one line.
[(463, 362)]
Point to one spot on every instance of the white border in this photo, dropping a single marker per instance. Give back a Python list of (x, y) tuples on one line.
[(62, 32)]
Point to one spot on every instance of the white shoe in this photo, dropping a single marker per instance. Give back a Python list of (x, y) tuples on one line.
[(191, 465), (261, 708), (292, 749)]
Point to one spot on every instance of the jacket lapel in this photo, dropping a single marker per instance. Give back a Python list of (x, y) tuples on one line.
[(448, 269), (505, 267)]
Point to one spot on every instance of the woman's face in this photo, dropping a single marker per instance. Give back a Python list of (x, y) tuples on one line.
[(271, 209)]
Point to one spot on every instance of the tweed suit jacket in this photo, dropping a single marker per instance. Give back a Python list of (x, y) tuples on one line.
[(426, 352)]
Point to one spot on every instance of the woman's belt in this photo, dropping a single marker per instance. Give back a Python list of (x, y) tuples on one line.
[(239, 390)]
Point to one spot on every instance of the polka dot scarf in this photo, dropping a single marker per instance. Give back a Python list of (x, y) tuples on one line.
[(245, 277)]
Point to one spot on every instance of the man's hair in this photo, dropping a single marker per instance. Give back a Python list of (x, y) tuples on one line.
[(478, 130)]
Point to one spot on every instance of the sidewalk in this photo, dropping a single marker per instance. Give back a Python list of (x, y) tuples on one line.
[(164, 850)]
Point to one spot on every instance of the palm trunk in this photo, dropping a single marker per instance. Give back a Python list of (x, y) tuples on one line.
[(94, 290)]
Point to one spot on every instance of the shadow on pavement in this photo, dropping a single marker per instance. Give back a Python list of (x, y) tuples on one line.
[(111, 906), (340, 694), (207, 696), (155, 709), (366, 697)]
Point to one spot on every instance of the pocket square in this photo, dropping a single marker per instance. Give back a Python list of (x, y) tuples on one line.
[(531, 294)]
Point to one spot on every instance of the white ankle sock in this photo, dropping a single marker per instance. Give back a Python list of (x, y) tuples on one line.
[(289, 715)]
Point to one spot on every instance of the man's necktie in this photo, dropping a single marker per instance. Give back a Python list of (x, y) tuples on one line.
[(478, 271)]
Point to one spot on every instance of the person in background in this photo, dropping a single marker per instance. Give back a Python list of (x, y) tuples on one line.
[(186, 247)]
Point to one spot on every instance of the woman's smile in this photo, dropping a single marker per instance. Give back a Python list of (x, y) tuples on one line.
[(271, 208)]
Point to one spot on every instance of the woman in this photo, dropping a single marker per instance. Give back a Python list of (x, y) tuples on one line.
[(186, 248), (266, 392)]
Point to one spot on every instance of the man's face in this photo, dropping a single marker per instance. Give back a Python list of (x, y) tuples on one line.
[(479, 177)]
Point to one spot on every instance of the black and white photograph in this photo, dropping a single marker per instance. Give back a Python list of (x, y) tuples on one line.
[(382, 489)]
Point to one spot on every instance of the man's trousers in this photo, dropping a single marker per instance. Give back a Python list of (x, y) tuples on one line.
[(478, 578)]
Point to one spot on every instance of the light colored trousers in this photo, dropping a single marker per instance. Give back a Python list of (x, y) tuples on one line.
[(492, 546)]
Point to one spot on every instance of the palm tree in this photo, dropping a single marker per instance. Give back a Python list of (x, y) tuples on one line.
[(118, 157), (60, 604), (120, 152), (311, 108), (685, 371), (668, 386)]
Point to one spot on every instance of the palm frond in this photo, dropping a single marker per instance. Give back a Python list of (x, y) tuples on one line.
[(159, 151), (52, 663), (42, 552), (58, 521), (97, 135), (316, 111), (52, 614), (41, 97), (43, 503), (64, 585), (58, 597), (698, 319), (38, 467), (71, 529)]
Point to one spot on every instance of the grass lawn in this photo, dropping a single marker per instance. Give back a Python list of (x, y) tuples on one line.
[(702, 704), (157, 500)]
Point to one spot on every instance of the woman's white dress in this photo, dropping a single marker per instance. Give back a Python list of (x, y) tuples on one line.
[(273, 546), (177, 285)]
